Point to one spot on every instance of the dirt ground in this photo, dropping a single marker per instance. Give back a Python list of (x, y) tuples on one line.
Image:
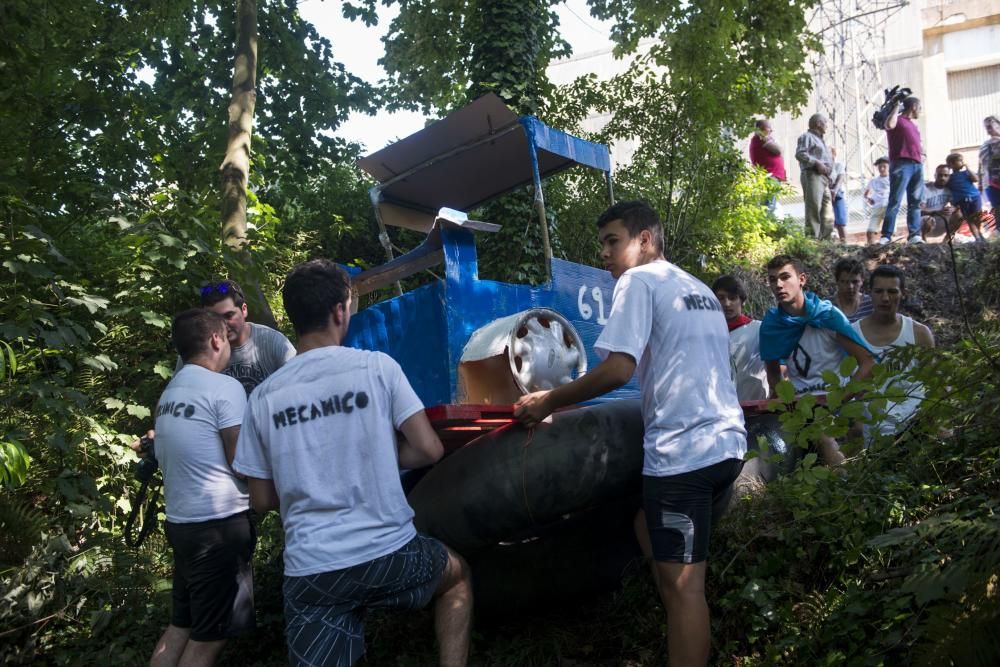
[(932, 295)]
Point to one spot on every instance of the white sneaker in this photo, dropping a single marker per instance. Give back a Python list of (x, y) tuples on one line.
[(885, 240), (915, 240)]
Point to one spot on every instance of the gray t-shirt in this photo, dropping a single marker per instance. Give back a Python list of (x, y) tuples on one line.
[(323, 429), (265, 351), (198, 484)]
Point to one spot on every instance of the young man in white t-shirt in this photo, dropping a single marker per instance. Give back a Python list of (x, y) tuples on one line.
[(670, 326), (749, 371), (319, 444), (207, 506), (810, 335)]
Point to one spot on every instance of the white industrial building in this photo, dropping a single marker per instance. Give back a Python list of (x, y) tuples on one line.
[(946, 51)]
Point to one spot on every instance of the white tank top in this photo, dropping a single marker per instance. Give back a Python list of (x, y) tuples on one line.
[(897, 412), (905, 337)]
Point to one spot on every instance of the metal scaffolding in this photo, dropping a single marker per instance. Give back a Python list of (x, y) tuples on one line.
[(847, 78)]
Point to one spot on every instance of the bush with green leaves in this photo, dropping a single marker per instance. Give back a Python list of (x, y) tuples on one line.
[(895, 562)]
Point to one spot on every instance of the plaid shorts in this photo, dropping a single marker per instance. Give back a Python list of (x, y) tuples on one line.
[(324, 613)]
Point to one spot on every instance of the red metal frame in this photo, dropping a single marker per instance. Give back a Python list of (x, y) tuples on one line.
[(457, 425)]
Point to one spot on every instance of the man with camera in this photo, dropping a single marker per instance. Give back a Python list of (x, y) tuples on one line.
[(208, 525), (906, 171), (319, 444), (816, 163)]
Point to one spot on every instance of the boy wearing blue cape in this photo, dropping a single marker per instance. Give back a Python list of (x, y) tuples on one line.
[(810, 335)]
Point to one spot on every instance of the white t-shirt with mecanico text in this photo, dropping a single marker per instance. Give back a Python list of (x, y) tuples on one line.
[(323, 428), (198, 484), (672, 325)]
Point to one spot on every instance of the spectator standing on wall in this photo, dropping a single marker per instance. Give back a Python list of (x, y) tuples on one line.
[(989, 163), (766, 154), (906, 171), (837, 177), (877, 197), (816, 164)]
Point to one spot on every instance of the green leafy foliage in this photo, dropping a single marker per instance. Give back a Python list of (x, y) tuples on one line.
[(109, 222), (440, 54), (113, 115), (895, 562)]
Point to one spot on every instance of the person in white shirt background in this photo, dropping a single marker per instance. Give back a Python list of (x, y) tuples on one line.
[(877, 196), (749, 372)]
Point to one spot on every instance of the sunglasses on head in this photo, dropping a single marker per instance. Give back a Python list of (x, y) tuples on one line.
[(221, 288)]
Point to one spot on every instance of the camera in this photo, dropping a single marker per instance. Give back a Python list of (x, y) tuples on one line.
[(148, 465), (893, 96)]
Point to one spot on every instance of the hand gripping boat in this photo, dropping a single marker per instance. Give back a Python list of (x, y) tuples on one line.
[(543, 514)]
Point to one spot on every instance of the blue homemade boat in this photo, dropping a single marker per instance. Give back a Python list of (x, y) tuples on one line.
[(543, 514)]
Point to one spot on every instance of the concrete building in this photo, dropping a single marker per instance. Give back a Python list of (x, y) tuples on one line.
[(946, 51)]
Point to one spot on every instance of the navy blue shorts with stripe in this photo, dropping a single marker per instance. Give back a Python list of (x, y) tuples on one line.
[(324, 613), (679, 510)]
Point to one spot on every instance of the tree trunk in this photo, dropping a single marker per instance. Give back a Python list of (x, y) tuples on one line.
[(236, 165)]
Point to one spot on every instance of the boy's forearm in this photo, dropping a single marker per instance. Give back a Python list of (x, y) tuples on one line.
[(773, 377), (609, 375)]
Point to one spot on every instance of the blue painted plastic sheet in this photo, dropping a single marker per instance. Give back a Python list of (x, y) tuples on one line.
[(566, 145)]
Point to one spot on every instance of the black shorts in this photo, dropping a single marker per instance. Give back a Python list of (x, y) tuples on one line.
[(324, 613), (679, 510), (213, 580)]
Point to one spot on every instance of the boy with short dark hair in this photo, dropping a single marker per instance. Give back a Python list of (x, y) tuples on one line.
[(670, 326), (877, 195), (810, 335), (849, 274), (208, 525), (884, 330), (749, 371), (319, 444), (258, 350)]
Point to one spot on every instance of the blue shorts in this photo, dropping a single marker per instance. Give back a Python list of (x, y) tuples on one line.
[(679, 510), (970, 206), (324, 613)]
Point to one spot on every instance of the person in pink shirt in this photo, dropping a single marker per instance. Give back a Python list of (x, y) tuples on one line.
[(766, 154), (906, 171)]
